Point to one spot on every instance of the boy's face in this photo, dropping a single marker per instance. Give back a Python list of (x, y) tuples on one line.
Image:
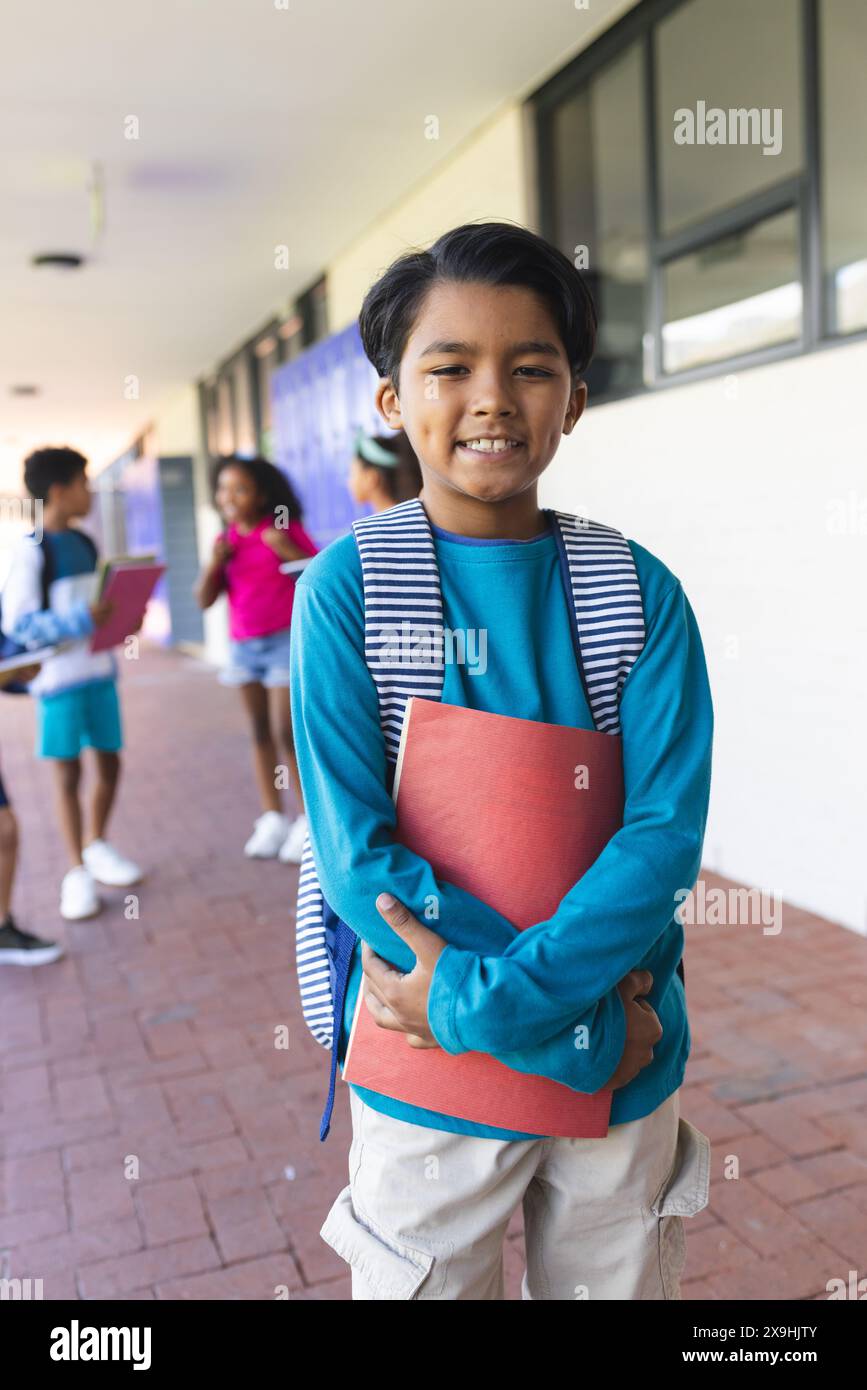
[(73, 498), (484, 361)]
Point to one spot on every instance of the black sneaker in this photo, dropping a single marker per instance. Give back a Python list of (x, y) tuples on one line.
[(18, 947)]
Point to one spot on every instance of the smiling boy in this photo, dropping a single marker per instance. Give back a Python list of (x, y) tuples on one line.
[(480, 343)]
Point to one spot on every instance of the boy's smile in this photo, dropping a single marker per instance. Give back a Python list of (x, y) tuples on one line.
[(485, 394)]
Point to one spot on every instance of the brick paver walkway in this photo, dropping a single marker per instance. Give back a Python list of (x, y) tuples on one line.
[(151, 1049)]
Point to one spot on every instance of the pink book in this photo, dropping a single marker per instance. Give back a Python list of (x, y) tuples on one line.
[(514, 811), (128, 589)]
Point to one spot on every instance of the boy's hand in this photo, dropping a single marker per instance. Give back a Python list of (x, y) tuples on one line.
[(397, 1001), (101, 611), (643, 1029)]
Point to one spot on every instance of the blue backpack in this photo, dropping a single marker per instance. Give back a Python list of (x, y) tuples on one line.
[(8, 647), (401, 585)]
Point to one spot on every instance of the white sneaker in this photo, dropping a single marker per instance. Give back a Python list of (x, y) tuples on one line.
[(108, 865), (78, 895), (292, 846), (268, 835)]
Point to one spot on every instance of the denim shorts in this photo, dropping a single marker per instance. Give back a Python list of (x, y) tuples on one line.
[(262, 659)]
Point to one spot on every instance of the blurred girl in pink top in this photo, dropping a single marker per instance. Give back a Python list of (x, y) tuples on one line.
[(263, 532)]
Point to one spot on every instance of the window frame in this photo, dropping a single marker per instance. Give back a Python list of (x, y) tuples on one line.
[(246, 358), (801, 192)]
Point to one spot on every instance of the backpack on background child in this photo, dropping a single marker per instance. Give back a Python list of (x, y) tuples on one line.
[(49, 599)]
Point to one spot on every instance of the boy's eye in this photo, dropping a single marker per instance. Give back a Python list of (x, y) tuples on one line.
[(448, 371)]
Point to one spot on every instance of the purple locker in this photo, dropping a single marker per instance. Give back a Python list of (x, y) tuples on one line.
[(319, 400)]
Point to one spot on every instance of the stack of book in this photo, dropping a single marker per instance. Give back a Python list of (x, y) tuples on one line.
[(515, 812)]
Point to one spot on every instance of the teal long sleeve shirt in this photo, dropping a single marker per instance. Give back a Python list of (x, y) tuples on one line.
[(519, 996)]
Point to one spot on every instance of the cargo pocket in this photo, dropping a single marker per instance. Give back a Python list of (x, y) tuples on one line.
[(387, 1267), (684, 1193)]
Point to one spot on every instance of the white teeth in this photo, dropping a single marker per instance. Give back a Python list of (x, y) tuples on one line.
[(489, 446)]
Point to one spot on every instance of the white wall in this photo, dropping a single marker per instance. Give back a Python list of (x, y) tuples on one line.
[(485, 178), (740, 484)]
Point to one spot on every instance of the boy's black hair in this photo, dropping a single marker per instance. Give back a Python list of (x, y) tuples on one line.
[(487, 253), (51, 465), (270, 482)]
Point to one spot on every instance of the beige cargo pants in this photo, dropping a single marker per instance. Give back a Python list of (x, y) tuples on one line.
[(425, 1213)]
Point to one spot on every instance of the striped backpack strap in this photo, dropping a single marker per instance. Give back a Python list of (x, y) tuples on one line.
[(606, 611), (312, 961), (608, 615), (403, 612), (403, 647)]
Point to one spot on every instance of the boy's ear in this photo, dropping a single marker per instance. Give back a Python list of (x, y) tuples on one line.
[(575, 409), (388, 404)]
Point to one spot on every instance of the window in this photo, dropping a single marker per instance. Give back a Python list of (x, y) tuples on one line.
[(313, 309), (291, 335), (710, 157), (736, 295), (225, 422), (240, 373), (600, 211), (739, 57), (843, 92), (236, 403), (208, 404), (266, 353)]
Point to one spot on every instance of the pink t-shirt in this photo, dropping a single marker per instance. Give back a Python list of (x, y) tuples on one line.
[(260, 597)]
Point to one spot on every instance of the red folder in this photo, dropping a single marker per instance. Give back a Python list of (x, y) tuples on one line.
[(514, 811), (128, 589)]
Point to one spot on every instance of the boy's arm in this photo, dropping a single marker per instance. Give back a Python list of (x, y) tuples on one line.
[(608, 923), (341, 760), (24, 618), (342, 765)]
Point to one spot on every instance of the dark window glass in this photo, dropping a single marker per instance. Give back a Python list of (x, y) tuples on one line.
[(740, 59), (843, 126), (736, 295), (600, 211)]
